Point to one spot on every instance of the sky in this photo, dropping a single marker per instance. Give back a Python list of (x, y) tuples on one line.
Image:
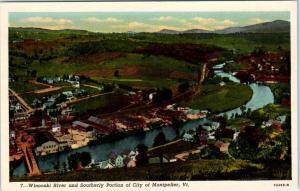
[(141, 21)]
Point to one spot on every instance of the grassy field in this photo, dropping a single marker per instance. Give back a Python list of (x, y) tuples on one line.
[(274, 110), (237, 123), (139, 82), (217, 99), (23, 86), (279, 89), (101, 104), (151, 61), (51, 68), (233, 67), (189, 170)]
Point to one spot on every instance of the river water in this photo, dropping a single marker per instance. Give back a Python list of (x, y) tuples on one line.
[(262, 95)]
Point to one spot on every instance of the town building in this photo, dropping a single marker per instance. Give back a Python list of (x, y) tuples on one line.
[(46, 144)]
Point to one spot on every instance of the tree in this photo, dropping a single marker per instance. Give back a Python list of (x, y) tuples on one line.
[(248, 113), (64, 164), (56, 165), (243, 109), (117, 73), (85, 158), (33, 73), (225, 79), (142, 157), (222, 120), (160, 139), (73, 161), (163, 95), (177, 124), (183, 87), (61, 98), (247, 143), (76, 159)]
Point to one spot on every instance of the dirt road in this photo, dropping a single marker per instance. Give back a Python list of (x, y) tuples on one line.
[(22, 101)]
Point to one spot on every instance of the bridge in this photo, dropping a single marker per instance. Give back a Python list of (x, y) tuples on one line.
[(30, 160)]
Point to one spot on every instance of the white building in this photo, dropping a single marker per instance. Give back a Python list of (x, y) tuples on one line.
[(119, 161)]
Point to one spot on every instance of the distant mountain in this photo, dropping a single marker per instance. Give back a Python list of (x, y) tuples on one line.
[(168, 31), (197, 31), (277, 26), (33, 29)]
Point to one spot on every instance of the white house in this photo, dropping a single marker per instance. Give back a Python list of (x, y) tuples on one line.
[(222, 84), (17, 107), (12, 134), (76, 84), (188, 137), (68, 93), (151, 96), (56, 128), (105, 165), (132, 155), (50, 147), (235, 135), (119, 161), (215, 125)]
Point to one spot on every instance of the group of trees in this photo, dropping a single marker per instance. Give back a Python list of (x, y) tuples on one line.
[(164, 94), (79, 160), (142, 157), (245, 77), (111, 45)]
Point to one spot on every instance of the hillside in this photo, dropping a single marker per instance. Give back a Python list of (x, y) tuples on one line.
[(192, 170), (277, 26)]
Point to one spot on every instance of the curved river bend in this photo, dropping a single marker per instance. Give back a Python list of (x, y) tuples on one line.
[(262, 95)]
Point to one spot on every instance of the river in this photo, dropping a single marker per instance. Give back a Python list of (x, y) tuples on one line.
[(262, 95)]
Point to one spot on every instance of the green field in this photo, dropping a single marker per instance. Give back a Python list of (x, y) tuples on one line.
[(151, 61), (139, 82), (273, 111), (233, 67), (279, 89), (102, 104), (237, 123), (23, 86), (217, 99)]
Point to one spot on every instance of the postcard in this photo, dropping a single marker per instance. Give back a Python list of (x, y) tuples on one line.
[(149, 96)]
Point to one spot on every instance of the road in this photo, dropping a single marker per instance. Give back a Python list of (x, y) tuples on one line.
[(22, 101), (39, 83), (49, 88), (46, 90), (87, 97), (91, 86), (160, 146)]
